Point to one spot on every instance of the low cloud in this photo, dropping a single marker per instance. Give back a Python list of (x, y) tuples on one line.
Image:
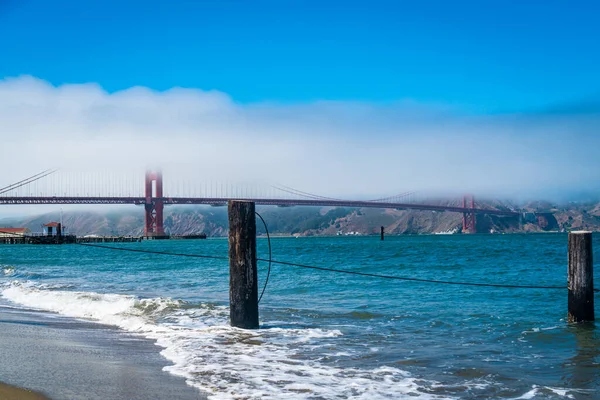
[(337, 149)]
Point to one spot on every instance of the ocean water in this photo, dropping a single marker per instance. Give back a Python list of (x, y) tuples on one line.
[(335, 336)]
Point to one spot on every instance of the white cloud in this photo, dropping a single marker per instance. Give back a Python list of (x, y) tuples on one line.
[(336, 149)]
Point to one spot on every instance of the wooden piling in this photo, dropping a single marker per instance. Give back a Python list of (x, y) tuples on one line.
[(243, 285), (382, 233), (59, 235), (581, 277)]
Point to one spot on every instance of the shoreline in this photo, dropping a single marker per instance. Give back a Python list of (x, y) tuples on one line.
[(45, 356), (8, 392)]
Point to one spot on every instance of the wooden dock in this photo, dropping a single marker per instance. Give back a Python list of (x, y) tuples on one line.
[(108, 239), (69, 239), (29, 239)]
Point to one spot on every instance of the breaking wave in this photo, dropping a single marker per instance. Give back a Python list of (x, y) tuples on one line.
[(227, 362)]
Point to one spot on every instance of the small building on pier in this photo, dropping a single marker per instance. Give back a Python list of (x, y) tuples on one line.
[(52, 229)]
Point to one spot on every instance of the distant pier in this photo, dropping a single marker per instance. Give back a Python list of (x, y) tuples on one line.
[(70, 239)]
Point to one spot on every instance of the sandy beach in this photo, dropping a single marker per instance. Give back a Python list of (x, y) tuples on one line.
[(58, 358), (8, 392)]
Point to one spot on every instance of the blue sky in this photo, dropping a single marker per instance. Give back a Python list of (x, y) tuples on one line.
[(479, 56), (343, 99)]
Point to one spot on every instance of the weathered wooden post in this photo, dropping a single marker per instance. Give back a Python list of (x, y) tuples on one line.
[(382, 233), (581, 277), (243, 285), (59, 237)]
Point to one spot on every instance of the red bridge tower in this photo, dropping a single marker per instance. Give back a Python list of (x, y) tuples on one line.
[(469, 221), (154, 204)]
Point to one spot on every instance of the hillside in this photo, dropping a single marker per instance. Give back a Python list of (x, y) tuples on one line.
[(310, 221)]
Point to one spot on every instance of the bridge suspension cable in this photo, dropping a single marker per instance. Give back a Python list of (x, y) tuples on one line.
[(27, 181), (300, 193), (390, 198)]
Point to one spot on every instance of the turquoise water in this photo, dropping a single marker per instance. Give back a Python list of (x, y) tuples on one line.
[(325, 335)]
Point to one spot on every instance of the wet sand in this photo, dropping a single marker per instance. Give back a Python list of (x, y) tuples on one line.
[(12, 393), (63, 358)]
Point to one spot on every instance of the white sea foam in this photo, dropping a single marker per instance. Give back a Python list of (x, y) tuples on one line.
[(8, 270), (545, 390), (227, 362), (537, 330)]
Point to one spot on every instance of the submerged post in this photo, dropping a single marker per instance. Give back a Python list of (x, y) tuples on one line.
[(243, 285), (581, 282), (382, 233)]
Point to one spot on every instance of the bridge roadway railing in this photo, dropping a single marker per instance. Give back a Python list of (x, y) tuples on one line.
[(219, 201), (71, 200)]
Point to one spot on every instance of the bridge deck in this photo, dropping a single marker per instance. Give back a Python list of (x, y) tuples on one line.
[(274, 202)]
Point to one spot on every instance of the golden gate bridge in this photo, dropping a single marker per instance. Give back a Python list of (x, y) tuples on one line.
[(154, 198)]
